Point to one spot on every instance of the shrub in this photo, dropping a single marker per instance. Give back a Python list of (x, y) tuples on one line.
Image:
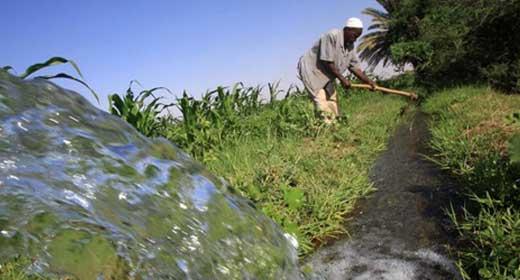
[(504, 76)]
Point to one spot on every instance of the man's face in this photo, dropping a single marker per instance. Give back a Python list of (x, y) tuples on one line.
[(351, 34)]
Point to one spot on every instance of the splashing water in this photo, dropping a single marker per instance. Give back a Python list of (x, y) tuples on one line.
[(82, 194)]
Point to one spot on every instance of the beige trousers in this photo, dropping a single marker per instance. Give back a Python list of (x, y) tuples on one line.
[(326, 102)]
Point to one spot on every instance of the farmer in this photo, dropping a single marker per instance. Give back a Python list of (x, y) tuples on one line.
[(327, 60)]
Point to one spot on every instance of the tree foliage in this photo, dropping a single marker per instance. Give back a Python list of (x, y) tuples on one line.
[(448, 41)]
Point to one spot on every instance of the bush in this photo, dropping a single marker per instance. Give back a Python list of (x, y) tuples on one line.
[(404, 81), (416, 52), (504, 76), (458, 42)]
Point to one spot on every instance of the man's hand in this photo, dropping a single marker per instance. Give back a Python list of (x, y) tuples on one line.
[(361, 75), (345, 83), (334, 70), (373, 85)]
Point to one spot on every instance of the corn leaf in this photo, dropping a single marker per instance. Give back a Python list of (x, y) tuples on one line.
[(67, 76), (8, 68), (50, 62)]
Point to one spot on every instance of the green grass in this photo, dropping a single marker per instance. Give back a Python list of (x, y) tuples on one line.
[(472, 133), (308, 181), (303, 174), (15, 270)]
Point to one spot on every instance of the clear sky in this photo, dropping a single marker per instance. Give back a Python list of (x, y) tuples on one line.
[(191, 45)]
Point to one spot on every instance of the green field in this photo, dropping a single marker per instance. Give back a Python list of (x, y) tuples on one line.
[(310, 183), (303, 174)]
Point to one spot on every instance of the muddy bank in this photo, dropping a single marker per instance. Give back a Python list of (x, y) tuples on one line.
[(400, 231)]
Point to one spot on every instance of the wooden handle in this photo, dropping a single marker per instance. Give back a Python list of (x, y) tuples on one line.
[(387, 90)]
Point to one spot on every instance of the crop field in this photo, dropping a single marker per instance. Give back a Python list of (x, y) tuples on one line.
[(305, 175)]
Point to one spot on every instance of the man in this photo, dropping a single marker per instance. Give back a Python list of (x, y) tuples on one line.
[(326, 61)]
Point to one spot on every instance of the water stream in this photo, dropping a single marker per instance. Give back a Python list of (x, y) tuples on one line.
[(83, 194), (398, 233)]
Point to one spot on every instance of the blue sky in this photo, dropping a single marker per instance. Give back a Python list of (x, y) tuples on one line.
[(182, 45)]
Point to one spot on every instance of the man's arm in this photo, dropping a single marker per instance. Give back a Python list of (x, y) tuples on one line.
[(334, 70), (363, 77), (327, 56)]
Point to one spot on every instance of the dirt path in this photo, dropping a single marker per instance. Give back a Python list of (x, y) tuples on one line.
[(398, 231)]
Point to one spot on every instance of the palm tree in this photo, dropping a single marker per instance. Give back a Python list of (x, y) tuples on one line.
[(375, 46)]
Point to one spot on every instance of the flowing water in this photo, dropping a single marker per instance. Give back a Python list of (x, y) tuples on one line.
[(398, 233), (83, 194)]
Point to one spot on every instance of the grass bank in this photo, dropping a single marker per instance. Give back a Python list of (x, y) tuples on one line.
[(474, 131), (303, 174), (309, 180)]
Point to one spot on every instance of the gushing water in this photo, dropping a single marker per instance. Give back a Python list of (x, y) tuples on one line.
[(83, 194)]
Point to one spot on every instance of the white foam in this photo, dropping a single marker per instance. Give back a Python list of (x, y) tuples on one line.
[(389, 269)]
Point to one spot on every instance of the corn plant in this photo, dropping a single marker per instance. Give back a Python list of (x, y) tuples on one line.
[(273, 90), (51, 62), (136, 111), (217, 115), (199, 129)]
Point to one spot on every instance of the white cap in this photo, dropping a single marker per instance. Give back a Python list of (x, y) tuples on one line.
[(354, 22)]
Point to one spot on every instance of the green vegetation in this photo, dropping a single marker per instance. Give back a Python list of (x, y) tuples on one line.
[(218, 115), (475, 134), (134, 110), (304, 175), (450, 41), (308, 179), (14, 270)]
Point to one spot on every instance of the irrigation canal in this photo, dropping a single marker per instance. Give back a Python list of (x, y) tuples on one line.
[(400, 231)]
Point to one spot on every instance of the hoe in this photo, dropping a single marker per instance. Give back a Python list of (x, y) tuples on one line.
[(411, 95)]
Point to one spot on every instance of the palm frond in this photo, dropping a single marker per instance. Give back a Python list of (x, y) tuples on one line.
[(375, 46)]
